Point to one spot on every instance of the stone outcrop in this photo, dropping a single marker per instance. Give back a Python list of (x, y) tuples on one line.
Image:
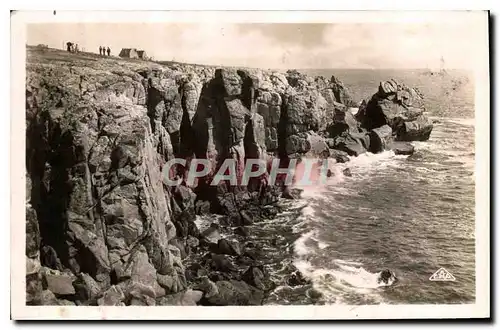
[(95, 145), (399, 107), (103, 228)]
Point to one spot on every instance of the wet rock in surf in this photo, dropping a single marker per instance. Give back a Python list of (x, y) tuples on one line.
[(291, 193), (296, 278), (386, 277), (227, 247), (212, 233), (354, 144), (401, 148), (339, 156), (246, 219), (347, 172), (416, 130), (257, 277), (222, 263), (242, 231), (309, 143), (380, 138), (401, 108)]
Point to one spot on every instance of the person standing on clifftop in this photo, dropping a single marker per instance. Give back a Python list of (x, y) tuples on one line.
[(100, 50), (109, 51)]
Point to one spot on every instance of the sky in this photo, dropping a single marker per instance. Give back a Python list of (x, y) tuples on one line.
[(279, 45)]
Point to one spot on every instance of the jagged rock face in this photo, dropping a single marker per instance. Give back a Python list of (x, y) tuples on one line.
[(172, 102), (227, 125), (102, 228), (94, 156), (341, 93), (302, 113), (269, 107), (401, 108)]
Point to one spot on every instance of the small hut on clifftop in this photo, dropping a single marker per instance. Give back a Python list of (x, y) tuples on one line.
[(128, 53), (142, 54)]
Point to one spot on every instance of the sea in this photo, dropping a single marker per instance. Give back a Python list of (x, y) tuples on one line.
[(411, 214)]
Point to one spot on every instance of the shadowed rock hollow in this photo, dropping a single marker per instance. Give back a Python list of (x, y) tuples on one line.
[(103, 229)]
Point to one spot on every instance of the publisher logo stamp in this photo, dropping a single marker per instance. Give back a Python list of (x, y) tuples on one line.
[(442, 275)]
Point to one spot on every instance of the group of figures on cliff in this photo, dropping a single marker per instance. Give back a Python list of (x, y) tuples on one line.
[(103, 50), (103, 229)]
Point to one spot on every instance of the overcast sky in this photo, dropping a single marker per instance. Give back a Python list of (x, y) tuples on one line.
[(346, 45)]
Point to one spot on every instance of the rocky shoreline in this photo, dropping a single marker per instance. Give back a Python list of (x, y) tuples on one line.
[(103, 228)]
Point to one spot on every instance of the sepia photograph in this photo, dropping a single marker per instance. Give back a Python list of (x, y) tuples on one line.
[(329, 165)]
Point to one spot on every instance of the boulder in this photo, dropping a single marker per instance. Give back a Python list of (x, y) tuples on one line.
[(290, 193), (86, 288), (228, 247), (34, 283), (309, 143), (417, 130), (380, 138), (344, 121), (401, 108), (48, 298), (255, 277), (185, 197), (338, 155), (208, 287), (347, 172), (246, 219), (341, 92), (234, 293), (296, 278), (192, 242), (353, 145), (222, 263), (171, 283), (114, 296), (242, 231), (138, 294), (211, 234), (202, 207), (48, 258), (401, 148), (59, 284), (186, 298)]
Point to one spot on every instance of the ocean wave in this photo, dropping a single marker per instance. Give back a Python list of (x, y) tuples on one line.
[(462, 121), (337, 285), (454, 120)]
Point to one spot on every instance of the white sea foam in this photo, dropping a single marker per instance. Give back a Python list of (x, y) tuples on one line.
[(462, 121), (301, 247), (322, 245), (333, 283), (308, 211)]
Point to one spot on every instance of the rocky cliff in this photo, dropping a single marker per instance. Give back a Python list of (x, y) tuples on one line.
[(103, 228)]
